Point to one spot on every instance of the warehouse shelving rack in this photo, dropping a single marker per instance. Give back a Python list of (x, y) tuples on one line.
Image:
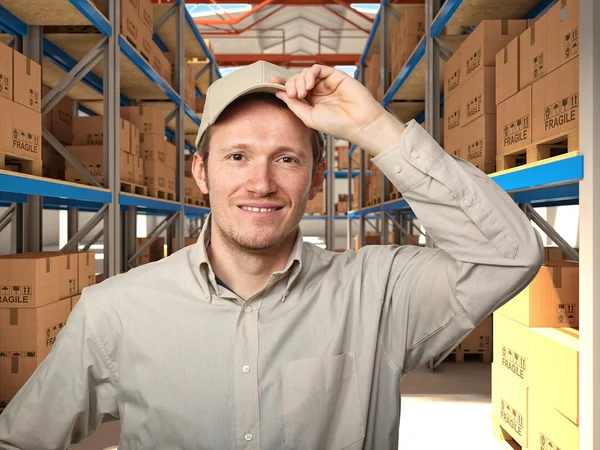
[(552, 182), (84, 56)]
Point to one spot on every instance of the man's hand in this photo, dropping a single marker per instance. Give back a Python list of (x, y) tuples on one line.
[(340, 106)]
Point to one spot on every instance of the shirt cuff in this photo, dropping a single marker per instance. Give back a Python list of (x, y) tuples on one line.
[(408, 162)]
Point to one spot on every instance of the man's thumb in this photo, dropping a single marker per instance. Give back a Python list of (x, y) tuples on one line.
[(301, 109)]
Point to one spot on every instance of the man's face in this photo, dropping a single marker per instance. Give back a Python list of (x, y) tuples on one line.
[(259, 175)]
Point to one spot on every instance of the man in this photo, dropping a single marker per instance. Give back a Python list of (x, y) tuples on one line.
[(253, 339)]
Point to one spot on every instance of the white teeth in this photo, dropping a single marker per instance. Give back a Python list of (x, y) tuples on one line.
[(262, 210)]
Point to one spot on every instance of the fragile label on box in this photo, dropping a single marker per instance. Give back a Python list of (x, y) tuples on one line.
[(52, 331), (513, 362), (453, 81), (454, 120), (25, 141), (561, 112), (567, 313), (474, 106), (4, 85), (17, 354), (475, 150), (546, 443), (572, 43), (15, 294), (516, 131), (474, 62), (513, 418), (539, 68)]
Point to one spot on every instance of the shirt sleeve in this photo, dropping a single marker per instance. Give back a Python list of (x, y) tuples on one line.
[(487, 250), (66, 398)]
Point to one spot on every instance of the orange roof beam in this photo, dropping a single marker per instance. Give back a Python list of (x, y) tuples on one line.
[(327, 59), (235, 20)]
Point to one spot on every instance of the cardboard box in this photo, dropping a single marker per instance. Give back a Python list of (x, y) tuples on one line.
[(20, 130), (154, 252), (478, 95), (144, 257), (317, 204), (412, 22), (28, 280), (27, 84), (479, 143), (161, 64), (134, 140), (453, 142), (555, 102), (402, 51), (452, 74), (145, 43), (480, 338), (510, 405), (86, 270), (59, 121), (152, 144), (155, 175), (507, 71), (548, 428), (131, 24), (89, 130), (6, 71), (550, 300), (53, 164), (26, 338), (543, 359), (146, 14), (75, 299), (171, 178), (533, 52), (200, 101), (480, 48), (138, 170), (92, 158), (343, 159), (189, 187), (170, 155), (563, 36), (188, 163), (513, 122), (452, 113), (149, 120)]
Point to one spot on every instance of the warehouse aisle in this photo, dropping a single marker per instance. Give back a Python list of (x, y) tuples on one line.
[(449, 408)]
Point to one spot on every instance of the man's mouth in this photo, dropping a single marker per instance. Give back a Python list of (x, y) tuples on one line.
[(260, 209)]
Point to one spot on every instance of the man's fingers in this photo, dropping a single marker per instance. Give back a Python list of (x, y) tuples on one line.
[(301, 109), (301, 86), (277, 80)]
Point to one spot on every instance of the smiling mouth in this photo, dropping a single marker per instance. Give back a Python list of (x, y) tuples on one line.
[(260, 210)]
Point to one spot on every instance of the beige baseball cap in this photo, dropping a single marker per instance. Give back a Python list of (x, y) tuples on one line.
[(247, 80)]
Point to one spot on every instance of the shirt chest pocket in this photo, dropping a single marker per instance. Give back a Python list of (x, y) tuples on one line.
[(321, 405)]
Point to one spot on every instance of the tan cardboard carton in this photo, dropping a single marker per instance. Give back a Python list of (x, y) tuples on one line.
[(188, 163), (138, 170), (452, 113), (92, 157), (548, 428), (170, 155), (27, 87), (86, 270), (145, 42), (555, 102), (155, 175), (507, 71), (134, 139), (343, 159), (20, 130), (479, 143), (480, 48), (513, 120), (161, 64), (452, 74), (149, 120), (131, 24), (510, 405), (170, 178), (190, 186), (29, 280), (453, 142), (6, 71), (480, 338), (89, 130), (563, 36), (74, 300), (551, 300), (146, 14), (533, 52), (478, 95)]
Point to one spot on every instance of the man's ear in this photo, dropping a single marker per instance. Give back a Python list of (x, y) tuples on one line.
[(317, 182), (199, 173)]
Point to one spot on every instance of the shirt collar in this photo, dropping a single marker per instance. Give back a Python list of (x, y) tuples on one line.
[(207, 276)]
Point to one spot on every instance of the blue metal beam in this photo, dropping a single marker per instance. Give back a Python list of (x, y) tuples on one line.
[(446, 12), (12, 24), (540, 9), (363, 57), (190, 21), (195, 211), (563, 193), (161, 45), (410, 65), (91, 13), (148, 203), (309, 217)]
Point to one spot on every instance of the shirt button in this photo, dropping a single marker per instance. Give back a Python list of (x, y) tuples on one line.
[(414, 155), (248, 437), (248, 309), (398, 168), (246, 369), (466, 203)]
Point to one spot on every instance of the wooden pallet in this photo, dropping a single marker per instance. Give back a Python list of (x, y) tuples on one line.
[(134, 188), (504, 437), (395, 195), (192, 201), (544, 149), (460, 354), (159, 193), (15, 163)]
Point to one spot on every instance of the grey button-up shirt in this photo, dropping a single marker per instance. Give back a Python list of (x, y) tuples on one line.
[(311, 361)]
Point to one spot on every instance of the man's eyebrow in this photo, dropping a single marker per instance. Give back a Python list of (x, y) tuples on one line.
[(233, 147)]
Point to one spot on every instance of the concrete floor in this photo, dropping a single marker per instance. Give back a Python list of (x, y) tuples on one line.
[(449, 408)]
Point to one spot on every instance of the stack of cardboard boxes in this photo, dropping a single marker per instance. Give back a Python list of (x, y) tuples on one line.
[(37, 293), (373, 76), (469, 89), (159, 156), (535, 390), (405, 38), (21, 119), (88, 149), (316, 206), (59, 122), (537, 88), (192, 191)]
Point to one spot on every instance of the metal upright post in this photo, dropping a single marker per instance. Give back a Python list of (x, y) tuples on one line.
[(432, 77), (349, 203), (361, 182), (130, 235), (329, 203), (112, 79), (72, 222), (29, 215), (385, 85), (179, 224), (589, 229)]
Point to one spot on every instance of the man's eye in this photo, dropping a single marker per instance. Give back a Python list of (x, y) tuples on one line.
[(236, 157), (288, 159)]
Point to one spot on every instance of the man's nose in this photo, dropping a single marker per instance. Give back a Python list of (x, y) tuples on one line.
[(261, 179)]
